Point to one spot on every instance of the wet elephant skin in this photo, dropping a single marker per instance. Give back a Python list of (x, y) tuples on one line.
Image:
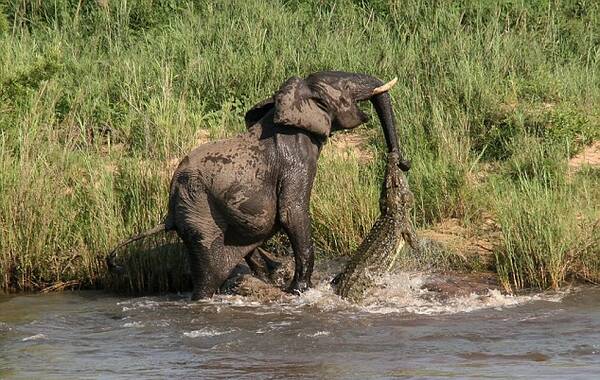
[(228, 197)]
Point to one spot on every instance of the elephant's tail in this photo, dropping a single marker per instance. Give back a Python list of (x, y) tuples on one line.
[(112, 256)]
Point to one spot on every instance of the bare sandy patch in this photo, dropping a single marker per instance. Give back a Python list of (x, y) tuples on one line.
[(202, 136), (351, 143), (466, 242), (589, 156)]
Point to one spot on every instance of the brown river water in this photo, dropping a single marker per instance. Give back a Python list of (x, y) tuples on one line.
[(400, 332)]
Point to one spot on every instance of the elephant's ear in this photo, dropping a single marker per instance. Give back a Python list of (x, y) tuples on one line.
[(257, 112), (297, 106)]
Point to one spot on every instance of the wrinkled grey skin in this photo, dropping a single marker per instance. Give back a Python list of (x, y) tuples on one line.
[(228, 197)]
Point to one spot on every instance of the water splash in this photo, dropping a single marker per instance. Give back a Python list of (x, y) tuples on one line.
[(133, 324), (34, 337), (403, 293), (315, 334), (400, 292), (207, 332), (141, 303)]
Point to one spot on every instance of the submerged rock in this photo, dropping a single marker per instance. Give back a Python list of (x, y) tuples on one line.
[(252, 287), (457, 284)]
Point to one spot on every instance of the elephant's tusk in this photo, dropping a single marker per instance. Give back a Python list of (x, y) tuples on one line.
[(385, 87)]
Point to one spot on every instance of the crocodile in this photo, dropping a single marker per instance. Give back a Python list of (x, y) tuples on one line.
[(378, 252)]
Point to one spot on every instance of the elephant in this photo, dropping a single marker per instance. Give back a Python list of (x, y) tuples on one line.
[(228, 197)]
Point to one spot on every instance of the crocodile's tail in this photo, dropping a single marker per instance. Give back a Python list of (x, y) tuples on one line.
[(112, 256)]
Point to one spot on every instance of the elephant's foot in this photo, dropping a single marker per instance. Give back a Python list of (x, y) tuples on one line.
[(265, 267), (202, 294), (208, 283), (298, 287), (196, 296)]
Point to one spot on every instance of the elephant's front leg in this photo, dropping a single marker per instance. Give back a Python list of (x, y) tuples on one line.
[(295, 219)]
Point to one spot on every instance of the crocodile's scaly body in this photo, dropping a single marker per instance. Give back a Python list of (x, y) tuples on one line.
[(377, 253)]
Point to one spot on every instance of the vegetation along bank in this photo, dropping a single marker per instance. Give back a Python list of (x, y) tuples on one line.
[(497, 105)]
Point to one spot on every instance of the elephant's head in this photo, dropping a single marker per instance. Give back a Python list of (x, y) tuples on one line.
[(327, 101)]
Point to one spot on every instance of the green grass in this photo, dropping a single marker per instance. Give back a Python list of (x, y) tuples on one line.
[(549, 225), (98, 99)]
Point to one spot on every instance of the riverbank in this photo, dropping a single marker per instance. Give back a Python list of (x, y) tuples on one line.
[(99, 100)]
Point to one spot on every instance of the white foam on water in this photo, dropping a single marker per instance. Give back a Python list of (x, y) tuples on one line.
[(34, 337), (161, 323), (315, 335), (274, 326), (279, 324), (233, 300), (133, 324), (322, 296), (206, 332), (414, 304), (399, 292), (137, 304), (402, 293)]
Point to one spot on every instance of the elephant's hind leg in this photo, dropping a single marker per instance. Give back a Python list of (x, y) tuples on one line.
[(207, 274), (211, 264), (201, 230)]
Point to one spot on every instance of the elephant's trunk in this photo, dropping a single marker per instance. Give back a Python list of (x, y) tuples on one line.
[(366, 87), (373, 89), (383, 107)]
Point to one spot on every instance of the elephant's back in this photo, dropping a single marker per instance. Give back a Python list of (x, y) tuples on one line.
[(237, 174)]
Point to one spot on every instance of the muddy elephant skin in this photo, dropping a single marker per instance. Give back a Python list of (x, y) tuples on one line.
[(228, 197)]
